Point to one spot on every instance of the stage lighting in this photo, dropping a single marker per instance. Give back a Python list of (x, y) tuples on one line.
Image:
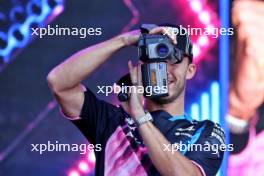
[(204, 17), (17, 34), (3, 21), (52, 3), (74, 173), (17, 19), (203, 41), (83, 167), (196, 50), (33, 8), (196, 5), (91, 157), (17, 14), (3, 40)]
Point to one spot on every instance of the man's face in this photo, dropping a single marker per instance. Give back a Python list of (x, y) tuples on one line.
[(177, 75)]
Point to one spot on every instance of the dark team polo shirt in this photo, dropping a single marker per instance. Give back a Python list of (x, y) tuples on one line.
[(123, 151)]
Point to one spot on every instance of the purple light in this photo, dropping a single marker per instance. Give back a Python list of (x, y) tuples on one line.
[(203, 41), (83, 167), (196, 5), (74, 173), (204, 17), (91, 157), (58, 10), (196, 50), (211, 29)]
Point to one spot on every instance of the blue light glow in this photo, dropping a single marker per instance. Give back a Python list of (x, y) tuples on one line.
[(215, 105), (209, 106), (205, 107), (46, 13), (195, 111)]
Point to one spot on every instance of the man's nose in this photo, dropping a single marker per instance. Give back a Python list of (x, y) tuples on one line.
[(169, 68), (169, 71)]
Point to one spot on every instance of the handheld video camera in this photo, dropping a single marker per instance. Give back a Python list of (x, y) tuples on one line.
[(155, 51)]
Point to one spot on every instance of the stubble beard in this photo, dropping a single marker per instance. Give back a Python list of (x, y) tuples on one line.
[(170, 99)]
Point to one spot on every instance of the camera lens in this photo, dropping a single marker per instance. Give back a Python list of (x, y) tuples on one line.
[(162, 50)]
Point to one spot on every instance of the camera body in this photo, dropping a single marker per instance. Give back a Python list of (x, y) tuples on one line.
[(154, 48), (155, 51), (154, 79)]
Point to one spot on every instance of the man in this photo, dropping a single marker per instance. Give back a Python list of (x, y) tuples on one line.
[(145, 147)]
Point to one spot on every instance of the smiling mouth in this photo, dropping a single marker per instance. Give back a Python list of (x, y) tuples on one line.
[(170, 81)]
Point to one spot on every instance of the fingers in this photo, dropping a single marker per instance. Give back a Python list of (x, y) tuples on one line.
[(133, 73), (168, 31), (157, 30), (139, 75)]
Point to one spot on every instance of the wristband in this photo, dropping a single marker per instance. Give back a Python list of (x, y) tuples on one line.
[(141, 120)]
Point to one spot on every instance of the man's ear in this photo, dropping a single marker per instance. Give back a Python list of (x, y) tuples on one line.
[(191, 71)]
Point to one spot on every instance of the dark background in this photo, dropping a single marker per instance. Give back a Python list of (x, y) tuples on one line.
[(24, 94)]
